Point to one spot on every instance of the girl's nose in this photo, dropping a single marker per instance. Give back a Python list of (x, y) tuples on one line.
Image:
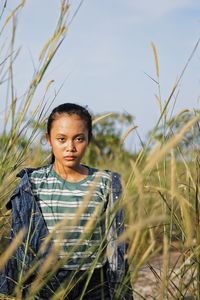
[(69, 146)]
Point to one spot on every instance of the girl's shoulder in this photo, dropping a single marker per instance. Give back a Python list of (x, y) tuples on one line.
[(40, 172), (111, 179), (108, 177), (106, 173), (114, 179), (101, 174)]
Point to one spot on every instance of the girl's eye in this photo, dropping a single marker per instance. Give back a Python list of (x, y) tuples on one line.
[(61, 140), (79, 138)]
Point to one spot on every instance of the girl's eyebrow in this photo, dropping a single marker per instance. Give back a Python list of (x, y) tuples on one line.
[(64, 135), (60, 134)]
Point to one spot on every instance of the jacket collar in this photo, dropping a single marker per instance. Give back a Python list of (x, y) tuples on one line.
[(25, 171)]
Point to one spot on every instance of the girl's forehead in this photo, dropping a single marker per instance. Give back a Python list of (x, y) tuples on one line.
[(68, 118), (69, 121)]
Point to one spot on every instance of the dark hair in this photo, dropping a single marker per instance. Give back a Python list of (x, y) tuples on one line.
[(70, 109)]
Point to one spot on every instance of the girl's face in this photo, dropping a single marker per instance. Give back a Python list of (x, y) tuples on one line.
[(69, 140)]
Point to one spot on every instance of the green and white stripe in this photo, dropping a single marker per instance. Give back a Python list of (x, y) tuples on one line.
[(60, 200)]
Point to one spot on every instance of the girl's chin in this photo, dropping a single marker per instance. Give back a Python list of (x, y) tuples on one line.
[(68, 164)]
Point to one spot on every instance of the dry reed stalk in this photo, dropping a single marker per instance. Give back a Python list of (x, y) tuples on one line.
[(155, 58), (47, 265), (72, 222), (173, 189), (89, 227), (140, 225), (98, 119), (12, 14), (3, 297), (128, 208), (185, 206), (17, 241), (137, 263), (138, 183), (133, 245), (10, 151), (159, 152), (173, 174), (51, 259), (189, 174), (126, 134), (143, 152), (187, 219), (197, 217), (181, 268), (164, 280)]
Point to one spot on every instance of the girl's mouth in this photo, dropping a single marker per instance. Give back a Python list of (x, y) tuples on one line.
[(69, 158)]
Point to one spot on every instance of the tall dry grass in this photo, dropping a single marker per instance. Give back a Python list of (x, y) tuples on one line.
[(16, 136), (160, 195)]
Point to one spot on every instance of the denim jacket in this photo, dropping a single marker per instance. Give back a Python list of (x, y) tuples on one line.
[(27, 214)]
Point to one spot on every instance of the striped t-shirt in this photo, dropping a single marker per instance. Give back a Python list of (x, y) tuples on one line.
[(72, 212)]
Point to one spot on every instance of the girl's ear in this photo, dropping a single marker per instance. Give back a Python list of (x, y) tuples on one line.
[(48, 139)]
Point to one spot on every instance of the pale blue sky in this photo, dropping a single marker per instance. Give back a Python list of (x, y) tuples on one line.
[(107, 52)]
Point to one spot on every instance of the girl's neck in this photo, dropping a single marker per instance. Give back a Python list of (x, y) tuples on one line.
[(71, 174)]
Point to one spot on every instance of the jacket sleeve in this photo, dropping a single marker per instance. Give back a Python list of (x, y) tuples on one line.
[(9, 274), (118, 269), (25, 215), (8, 277)]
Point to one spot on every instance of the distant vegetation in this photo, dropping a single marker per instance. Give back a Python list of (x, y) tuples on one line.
[(161, 181)]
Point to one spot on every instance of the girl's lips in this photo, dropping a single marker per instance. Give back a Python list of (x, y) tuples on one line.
[(69, 157)]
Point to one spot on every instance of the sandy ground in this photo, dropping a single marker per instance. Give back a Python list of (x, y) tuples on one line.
[(148, 284)]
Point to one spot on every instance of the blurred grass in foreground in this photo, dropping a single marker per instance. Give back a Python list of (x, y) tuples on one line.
[(161, 182)]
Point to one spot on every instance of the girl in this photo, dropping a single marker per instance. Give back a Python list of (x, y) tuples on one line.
[(68, 210)]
